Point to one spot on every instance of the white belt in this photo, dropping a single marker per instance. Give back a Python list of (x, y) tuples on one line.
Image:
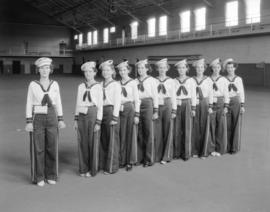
[(237, 95), (84, 109), (215, 98), (90, 104), (179, 101), (39, 109)]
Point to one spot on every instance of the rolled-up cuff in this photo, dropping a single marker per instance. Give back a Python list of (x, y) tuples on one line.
[(29, 120), (76, 118), (115, 118), (60, 118), (98, 122), (173, 111)]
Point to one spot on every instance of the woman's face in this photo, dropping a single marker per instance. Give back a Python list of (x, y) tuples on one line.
[(142, 70), (162, 68), (123, 71), (230, 69), (89, 74), (182, 69), (200, 68), (216, 69), (44, 71), (107, 72)]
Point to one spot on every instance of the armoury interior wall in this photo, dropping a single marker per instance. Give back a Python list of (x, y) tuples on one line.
[(250, 52), (24, 43), (27, 35), (25, 65)]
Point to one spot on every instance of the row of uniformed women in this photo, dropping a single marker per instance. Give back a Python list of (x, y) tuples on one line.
[(146, 120)]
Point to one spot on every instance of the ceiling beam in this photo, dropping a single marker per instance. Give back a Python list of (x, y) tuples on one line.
[(209, 3), (103, 17), (128, 13), (81, 19), (73, 8), (60, 21), (161, 7)]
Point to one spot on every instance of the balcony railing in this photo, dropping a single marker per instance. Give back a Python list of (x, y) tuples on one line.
[(35, 51), (217, 30)]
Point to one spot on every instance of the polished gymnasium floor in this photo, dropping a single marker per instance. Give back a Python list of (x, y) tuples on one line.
[(232, 183)]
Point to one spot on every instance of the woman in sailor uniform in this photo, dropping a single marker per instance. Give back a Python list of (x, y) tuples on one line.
[(218, 124), (186, 105), (148, 95), (236, 106), (167, 112), (88, 116), (129, 116), (204, 104), (109, 139), (44, 116)]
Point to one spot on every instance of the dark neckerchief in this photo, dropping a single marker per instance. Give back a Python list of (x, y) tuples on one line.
[(87, 93), (46, 100)]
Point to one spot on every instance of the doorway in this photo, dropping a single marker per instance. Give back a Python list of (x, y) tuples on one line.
[(16, 66)]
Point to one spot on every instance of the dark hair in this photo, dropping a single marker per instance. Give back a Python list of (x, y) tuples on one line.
[(95, 69), (187, 66), (234, 64), (51, 67), (147, 66), (128, 67), (205, 66), (168, 65)]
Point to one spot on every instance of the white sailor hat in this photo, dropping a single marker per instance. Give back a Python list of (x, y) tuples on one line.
[(199, 62), (181, 62), (144, 62), (215, 62), (43, 61), (88, 65), (122, 64), (106, 63), (229, 60), (162, 61)]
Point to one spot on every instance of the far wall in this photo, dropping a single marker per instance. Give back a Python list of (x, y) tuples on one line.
[(18, 37), (247, 51), (61, 65)]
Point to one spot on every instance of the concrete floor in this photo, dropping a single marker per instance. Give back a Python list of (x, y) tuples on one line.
[(239, 183)]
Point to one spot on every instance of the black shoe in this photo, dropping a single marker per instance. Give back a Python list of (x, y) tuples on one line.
[(146, 164), (129, 167)]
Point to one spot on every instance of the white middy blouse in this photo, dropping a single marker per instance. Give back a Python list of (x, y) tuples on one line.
[(89, 96), (149, 90), (206, 86), (236, 88), (169, 92), (131, 95), (112, 96), (35, 95), (220, 89), (187, 91)]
